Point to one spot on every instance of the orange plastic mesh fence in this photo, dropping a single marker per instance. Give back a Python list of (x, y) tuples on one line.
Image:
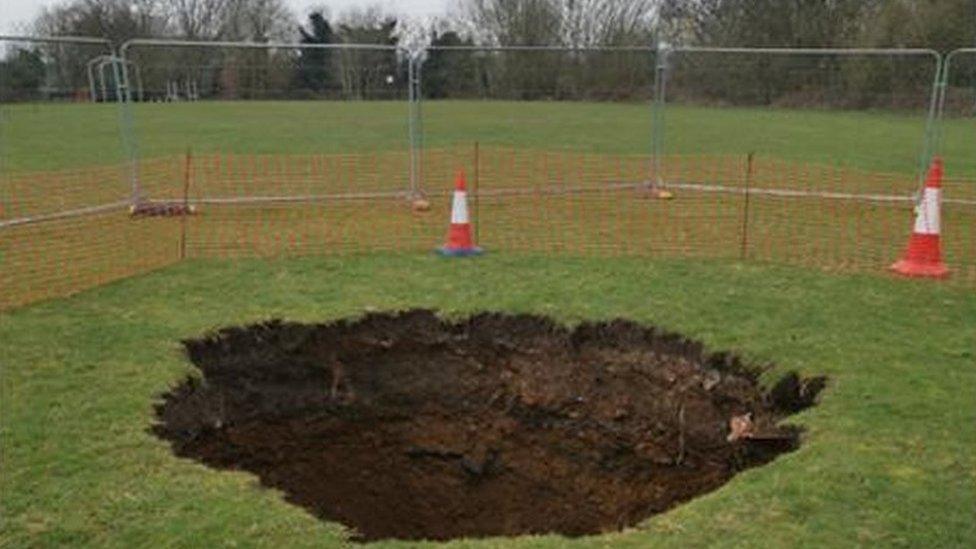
[(61, 232), (62, 256)]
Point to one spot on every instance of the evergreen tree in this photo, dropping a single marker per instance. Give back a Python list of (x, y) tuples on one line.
[(21, 75), (447, 73), (315, 64)]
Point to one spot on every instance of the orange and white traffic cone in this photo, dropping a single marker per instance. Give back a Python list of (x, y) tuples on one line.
[(923, 257), (459, 241)]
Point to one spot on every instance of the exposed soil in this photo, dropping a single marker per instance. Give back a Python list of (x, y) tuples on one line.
[(408, 426)]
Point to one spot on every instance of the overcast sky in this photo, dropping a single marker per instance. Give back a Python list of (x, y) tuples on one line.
[(14, 14)]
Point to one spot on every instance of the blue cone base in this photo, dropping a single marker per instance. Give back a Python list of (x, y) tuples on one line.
[(459, 252)]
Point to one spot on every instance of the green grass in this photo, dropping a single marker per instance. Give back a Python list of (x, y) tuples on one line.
[(889, 455), (888, 458), (57, 136)]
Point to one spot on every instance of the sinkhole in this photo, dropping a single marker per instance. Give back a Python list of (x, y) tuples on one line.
[(411, 426)]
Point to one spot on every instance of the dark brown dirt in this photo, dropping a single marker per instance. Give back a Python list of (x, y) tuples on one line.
[(409, 426)]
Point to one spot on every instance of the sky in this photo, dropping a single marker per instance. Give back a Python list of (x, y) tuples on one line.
[(15, 14)]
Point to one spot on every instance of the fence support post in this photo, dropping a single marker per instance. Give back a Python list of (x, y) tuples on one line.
[(411, 122), (126, 124), (187, 177), (933, 122), (477, 185), (744, 253), (414, 91), (657, 119)]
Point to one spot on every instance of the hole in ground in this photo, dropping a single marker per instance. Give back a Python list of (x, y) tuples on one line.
[(408, 426)]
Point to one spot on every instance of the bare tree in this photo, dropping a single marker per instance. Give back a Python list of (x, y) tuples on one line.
[(587, 23), (773, 23), (198, 19), (255, 20), (116, 20), (257, 73), (260, 21), (515, 22), (576, 23), (369, 74)]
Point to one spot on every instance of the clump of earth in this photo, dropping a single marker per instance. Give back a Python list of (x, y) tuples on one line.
[(407, 425)]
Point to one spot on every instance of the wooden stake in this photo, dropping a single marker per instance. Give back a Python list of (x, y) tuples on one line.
[(745, 214), (477, 178), (187, 173)]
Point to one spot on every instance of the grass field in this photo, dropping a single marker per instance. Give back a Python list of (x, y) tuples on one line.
[(872, 141), (887, 458)]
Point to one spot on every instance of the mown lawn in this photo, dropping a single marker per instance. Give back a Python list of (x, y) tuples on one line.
[(887, 461), (45, 137)]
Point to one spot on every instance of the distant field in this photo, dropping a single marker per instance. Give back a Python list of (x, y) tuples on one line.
[(46, 137)]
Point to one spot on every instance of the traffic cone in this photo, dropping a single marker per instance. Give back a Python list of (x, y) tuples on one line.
[(923, 257), (459, 241)]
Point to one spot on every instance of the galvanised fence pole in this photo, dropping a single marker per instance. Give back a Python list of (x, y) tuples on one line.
[(130, 142), (91, 77), (930, 145), (417, 141), (413, 75), (657, 119)]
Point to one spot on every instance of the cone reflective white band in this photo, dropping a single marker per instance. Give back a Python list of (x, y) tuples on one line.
[(927, 217), (459, 209)]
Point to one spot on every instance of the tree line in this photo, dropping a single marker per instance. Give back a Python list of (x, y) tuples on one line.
[(895, 81)]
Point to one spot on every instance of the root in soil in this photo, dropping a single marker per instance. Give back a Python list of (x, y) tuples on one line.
[(409, 426)]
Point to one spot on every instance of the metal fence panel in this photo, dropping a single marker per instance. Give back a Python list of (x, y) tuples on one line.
[(818, 106), (834, 145), (550, 136), (799, 156), (53, 133), (804, 157), (958, 147), (958, 110), (274, 141), (538, 97), (61, 170)]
